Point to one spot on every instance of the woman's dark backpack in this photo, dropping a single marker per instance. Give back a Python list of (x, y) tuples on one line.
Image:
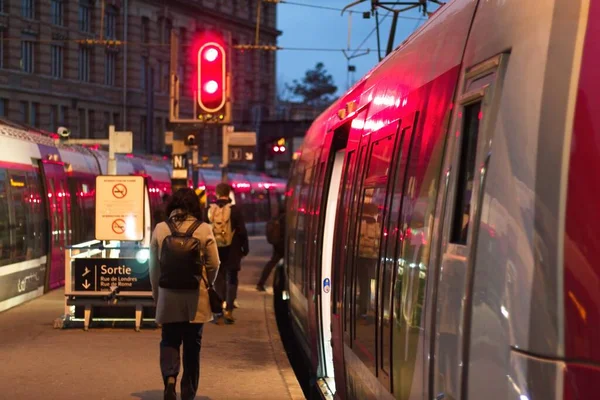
[(181, 260)]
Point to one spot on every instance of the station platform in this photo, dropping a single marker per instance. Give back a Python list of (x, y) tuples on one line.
[(241, 361)]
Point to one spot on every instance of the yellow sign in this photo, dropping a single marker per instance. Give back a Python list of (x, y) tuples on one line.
[(119, 208)]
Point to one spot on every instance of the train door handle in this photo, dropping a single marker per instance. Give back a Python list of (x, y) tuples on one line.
[(440, 396)]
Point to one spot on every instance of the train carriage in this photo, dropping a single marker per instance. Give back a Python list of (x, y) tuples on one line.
[(440, 228)]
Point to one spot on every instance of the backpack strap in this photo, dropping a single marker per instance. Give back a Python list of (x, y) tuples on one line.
[(172, 226), (193, 228)]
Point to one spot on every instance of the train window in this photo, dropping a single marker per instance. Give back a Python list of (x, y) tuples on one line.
[(390, 246), (350, 239), (4, 220), (301, 229), (65, 228), (367, 248), (466, 173), (18, 192), (89, 210), (53, 211), (37, 214)]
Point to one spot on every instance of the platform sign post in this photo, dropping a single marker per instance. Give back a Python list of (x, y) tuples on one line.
[(120, 208)]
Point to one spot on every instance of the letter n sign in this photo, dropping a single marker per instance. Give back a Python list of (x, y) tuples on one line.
[(179, 161)]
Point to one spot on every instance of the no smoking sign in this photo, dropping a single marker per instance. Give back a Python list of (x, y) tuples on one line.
[(119, 190), (118, 226)]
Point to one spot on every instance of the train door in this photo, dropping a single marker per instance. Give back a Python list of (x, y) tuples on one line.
[(467, 160), (327, 365), (54, 178)]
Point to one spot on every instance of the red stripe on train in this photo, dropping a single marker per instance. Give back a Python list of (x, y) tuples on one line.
[(582, 245)]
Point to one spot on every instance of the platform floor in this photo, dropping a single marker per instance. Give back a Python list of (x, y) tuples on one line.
[(241, 361)]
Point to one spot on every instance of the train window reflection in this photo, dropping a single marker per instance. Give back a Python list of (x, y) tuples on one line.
[(21, 216), (466, 174), (369, 240)]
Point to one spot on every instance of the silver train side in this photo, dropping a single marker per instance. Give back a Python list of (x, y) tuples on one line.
[(442, 216), (47, 203)]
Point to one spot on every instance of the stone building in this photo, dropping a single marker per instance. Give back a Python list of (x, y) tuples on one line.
[(48, 78)]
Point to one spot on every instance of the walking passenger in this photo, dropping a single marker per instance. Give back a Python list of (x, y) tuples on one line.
[(231, 236), (276, 237), (184, 261)]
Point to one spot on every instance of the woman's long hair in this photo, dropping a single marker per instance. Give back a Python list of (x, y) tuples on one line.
[(186, 200)]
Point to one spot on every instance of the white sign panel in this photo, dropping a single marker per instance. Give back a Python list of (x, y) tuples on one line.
[(119, 207)]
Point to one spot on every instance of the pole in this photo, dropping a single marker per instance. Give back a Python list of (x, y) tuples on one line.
[(258, 3), (225, 157), (112, 161), (390, 45), (125, 25)]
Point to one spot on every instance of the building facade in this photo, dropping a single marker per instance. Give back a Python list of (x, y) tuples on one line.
[(49, 78)]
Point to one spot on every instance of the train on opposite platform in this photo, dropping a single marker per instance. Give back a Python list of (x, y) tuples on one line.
[(47, 203), (442, 224)]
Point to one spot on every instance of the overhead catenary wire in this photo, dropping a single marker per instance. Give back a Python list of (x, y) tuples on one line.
[(333, 8)]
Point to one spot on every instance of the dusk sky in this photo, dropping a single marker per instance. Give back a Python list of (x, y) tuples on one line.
[(307, 27)]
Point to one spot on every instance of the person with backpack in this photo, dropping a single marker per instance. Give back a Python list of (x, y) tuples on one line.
[(184, 262), (275, 232), (231, 237)]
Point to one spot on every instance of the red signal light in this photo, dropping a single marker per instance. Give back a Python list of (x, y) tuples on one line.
[(211, 77), (276, 149)]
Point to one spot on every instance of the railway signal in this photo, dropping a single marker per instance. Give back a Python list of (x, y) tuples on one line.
[(212, 81), (279, 147)]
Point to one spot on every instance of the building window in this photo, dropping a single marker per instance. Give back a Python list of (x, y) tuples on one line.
[(110, 22), (33, 114), (110, 61), (165, 26), (84, 64), (91, 120), (85, 16), (27, 54), (57, 58), (3, 107), (145, 29), (53, 118), (144, 73), (2, 49), (143, 131), (116, 120), (83, 132), (24, 111), (1, 6), (62, 115), (27, 9), (106, 122), (57, 11)]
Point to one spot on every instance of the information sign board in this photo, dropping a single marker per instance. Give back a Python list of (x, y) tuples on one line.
[(104, 274), (119, 208)]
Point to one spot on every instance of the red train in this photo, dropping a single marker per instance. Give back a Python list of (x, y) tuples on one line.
[(442, 228), (47, 203)]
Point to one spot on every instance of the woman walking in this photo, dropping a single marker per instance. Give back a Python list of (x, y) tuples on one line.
[(184, 262)]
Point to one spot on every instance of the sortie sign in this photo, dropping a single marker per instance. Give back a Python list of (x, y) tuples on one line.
[(119, 208), (102, 274)]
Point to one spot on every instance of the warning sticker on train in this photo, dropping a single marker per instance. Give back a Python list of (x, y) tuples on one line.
[(119, 190), (120, 208), (326, 285)]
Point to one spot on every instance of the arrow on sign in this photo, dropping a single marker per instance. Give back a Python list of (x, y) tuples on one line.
[(87, 271), (86, 285)]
